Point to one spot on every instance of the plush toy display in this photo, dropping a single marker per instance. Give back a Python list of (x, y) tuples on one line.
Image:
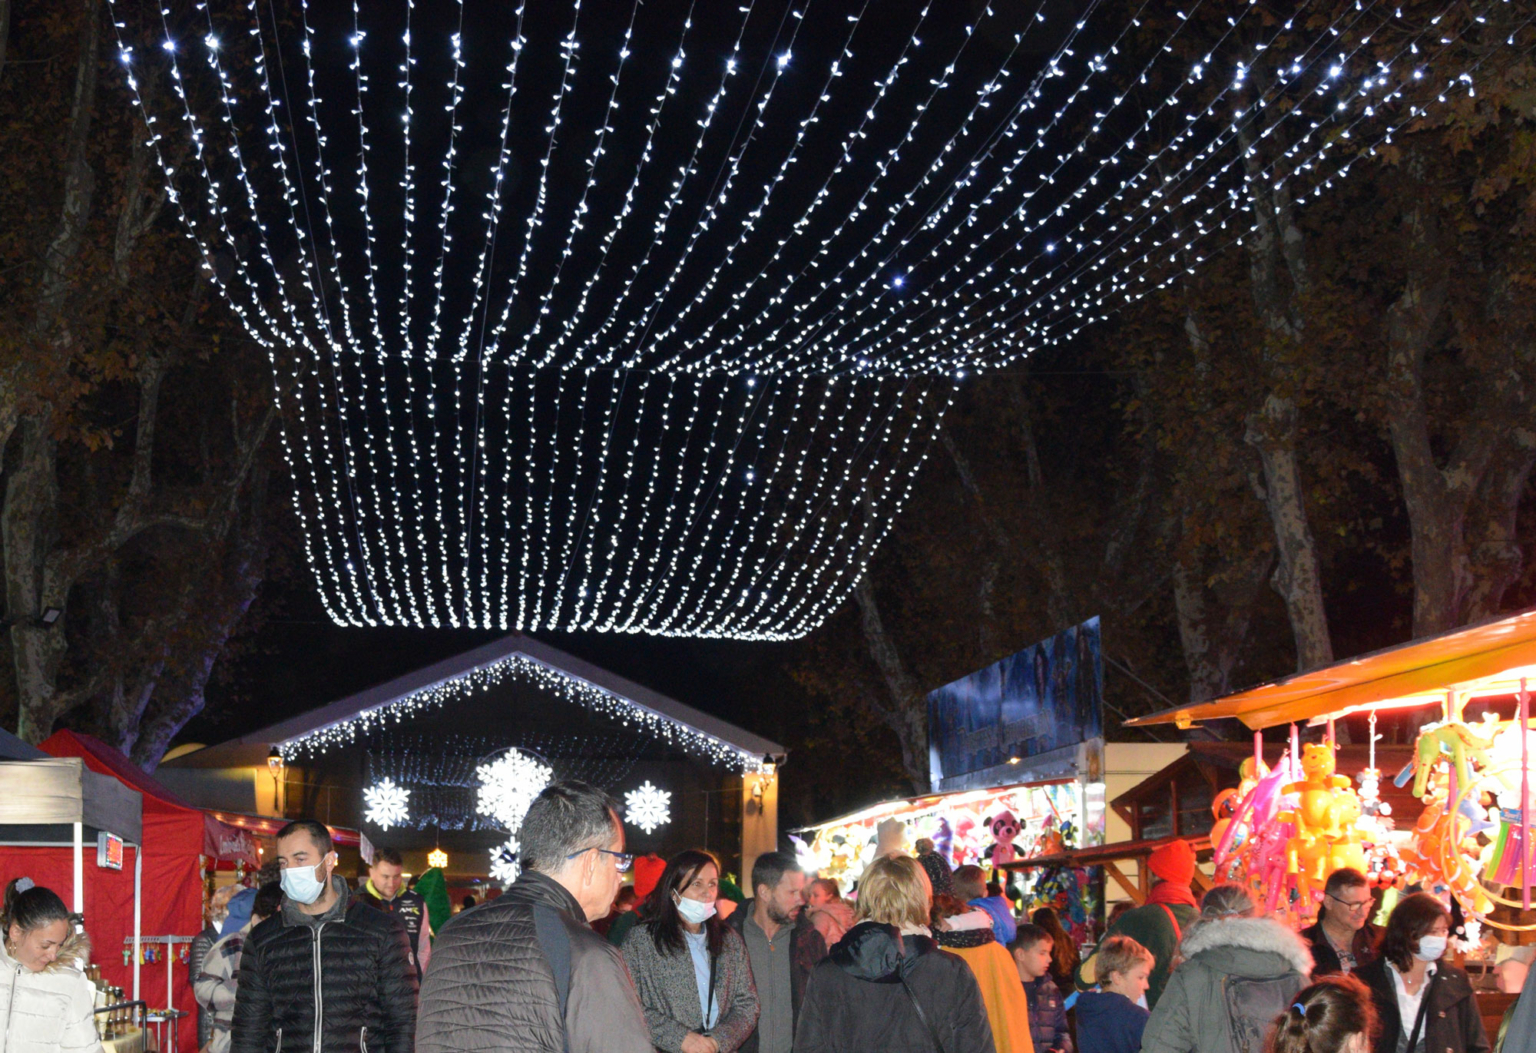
[(892, 838), (1004, 829)]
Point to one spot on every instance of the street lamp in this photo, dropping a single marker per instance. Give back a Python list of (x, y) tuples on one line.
[(275, 765)]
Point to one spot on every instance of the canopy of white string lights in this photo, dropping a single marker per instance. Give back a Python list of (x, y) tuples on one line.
[(641, 317)]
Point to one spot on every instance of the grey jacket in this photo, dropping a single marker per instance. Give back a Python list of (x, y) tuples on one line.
[(490, 987), (1236, 978), (669, 991)]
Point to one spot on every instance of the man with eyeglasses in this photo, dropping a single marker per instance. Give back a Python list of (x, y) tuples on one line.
[(1343, 939), (525, 972)]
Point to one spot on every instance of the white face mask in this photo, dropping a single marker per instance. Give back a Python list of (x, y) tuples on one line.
[(1431, 948), (692, 911), (301, 885)]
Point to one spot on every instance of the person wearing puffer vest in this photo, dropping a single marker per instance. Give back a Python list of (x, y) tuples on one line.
[(327, 973), (49, 1002), (1239, 972)]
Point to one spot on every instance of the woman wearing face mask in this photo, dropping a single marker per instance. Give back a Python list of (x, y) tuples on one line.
[(689, 967), (49, 1000), (1424, 1004)]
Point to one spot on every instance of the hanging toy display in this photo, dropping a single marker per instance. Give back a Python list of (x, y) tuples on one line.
[(1474, 830), (1251, 850), (1324, 815)]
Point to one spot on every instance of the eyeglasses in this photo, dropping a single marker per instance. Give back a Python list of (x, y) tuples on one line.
[(622, 861), (1362, 905)]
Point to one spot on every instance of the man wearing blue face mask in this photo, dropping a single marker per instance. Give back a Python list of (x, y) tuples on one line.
[(327, 973), (1425, 1005)]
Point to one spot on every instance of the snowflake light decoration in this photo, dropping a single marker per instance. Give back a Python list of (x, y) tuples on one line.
[(648, 807), (508, 786), (388, 804), (437, 859), (504, 864)]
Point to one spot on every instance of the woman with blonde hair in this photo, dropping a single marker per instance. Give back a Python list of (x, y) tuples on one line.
[(51, 1002), (1239, 970), (887, 986)]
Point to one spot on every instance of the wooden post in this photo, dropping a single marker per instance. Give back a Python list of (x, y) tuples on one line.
[(1525, 796)]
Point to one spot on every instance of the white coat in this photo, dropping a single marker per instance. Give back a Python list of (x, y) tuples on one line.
[(46, 1012)]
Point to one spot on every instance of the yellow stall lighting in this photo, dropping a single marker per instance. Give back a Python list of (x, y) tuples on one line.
[(1477, 661)]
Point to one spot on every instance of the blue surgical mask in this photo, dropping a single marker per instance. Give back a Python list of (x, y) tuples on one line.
[(301, 885), (692, 911)]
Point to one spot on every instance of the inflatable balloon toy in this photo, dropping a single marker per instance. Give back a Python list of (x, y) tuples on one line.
[(1322, 806), (1451, 739)]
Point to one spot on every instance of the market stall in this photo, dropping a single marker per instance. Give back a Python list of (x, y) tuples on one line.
[(988, 828), (177, 840), (69, 829), (1306, 808), (1112, 858)]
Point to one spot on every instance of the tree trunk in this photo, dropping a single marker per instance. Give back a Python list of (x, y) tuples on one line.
[(1297, 577), (79, 182), (997, 543), (5, 30), (1436, 502), (28, 524), (185, 695), (908, 712), (1496, 557), (1277, 273)]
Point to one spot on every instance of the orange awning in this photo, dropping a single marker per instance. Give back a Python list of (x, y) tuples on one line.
[(1477, 661)]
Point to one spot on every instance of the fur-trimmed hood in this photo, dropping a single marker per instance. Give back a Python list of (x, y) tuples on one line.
[(74, 954), (1251, 947)]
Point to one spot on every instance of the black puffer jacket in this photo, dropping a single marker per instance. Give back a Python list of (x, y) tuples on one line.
[(491, 988), (861, 998), (354, 967)]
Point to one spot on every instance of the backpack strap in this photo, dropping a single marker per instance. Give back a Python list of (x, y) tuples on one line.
[(555, 942), (1178, 933), (714, 960)]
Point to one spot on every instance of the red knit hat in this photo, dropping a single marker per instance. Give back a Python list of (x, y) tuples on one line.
[(1174, 862), (648, 870)]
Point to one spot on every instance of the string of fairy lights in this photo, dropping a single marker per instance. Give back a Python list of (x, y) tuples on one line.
[(696, 287), (629, 718)]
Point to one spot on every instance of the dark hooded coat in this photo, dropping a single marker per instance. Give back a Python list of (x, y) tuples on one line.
[(876, 990)]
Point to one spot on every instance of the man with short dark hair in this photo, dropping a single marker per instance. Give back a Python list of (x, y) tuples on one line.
[(1344, 939), (782, 947), (327, 973), (385, 890), (525, 971)]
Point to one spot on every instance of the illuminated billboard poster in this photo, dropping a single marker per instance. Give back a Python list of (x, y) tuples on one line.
[(1044, 700)]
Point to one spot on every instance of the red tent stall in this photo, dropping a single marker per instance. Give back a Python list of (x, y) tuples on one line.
[(178, 840), (52, 813)]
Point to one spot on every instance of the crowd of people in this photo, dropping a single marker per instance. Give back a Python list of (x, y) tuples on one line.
[(923, 960)]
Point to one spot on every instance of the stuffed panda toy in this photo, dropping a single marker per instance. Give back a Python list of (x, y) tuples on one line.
[(1004, 828)]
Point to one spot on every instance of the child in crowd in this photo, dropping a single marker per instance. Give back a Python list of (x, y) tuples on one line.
[(1109, 1018), (1334, 1015), (1031, 949)]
